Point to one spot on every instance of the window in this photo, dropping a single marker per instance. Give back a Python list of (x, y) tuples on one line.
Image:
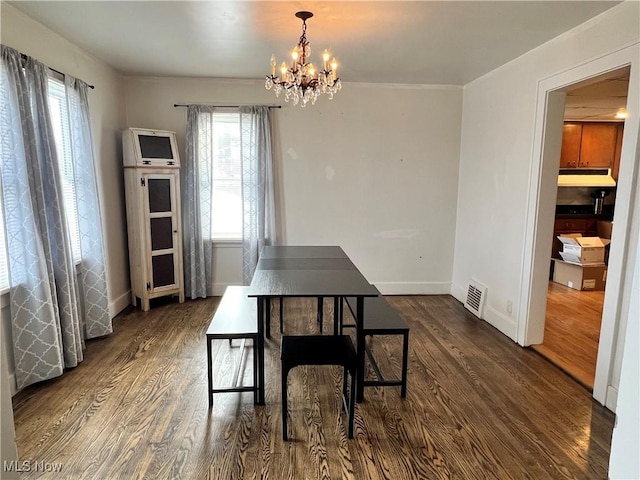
[(226, 187), (60, 121)]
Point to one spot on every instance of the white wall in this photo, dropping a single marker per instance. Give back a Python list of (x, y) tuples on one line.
[(107, 119), (374, 170), (624, 462), (8, 449), (496, 158), (496, 161)]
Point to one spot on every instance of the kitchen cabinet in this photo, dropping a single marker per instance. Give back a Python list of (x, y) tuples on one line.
[(616, 158), (589, 145), (571, 136), (598, 145)]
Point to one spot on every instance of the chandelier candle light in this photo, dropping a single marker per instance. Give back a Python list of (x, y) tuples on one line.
[(300, 81)]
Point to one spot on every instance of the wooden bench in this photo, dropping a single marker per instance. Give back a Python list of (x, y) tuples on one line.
[(380, 318), (235, 318)]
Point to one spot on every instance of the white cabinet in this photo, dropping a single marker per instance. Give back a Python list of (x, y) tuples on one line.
[(153, 221)]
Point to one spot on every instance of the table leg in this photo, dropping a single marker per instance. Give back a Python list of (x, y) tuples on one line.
[(336, 314), (260, 349), (320, 311), (268, 313), (360, 342)]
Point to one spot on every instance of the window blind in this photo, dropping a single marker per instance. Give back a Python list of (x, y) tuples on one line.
[(226, 194), (61, 129)]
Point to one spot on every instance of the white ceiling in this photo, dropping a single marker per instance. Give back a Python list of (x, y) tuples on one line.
[(415, 42), (598, 98)]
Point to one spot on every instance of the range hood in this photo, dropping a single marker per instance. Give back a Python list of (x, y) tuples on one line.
[(585, 177)]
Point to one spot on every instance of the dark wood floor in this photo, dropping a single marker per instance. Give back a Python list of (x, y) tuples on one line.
[(572, 331), (478, 407)]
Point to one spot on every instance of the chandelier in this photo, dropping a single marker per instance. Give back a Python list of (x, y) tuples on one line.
[(300, 81)]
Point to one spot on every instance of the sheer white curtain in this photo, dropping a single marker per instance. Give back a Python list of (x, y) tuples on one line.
[(257, 186), (51, 312)]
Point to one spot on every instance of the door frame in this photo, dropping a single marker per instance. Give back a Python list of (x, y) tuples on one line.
[(539, 219)]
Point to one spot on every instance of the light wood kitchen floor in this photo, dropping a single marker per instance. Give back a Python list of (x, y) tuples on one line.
[(572, 331), (478, 406)]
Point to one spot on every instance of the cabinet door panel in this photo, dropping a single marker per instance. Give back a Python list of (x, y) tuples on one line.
[(163, 270), (159, 194), (570, 153), (161, 233), (598, 145)]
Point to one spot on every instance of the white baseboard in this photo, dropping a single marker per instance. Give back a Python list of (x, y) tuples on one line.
[(12, 384), (413, 288), (120, 303), (493, 317), (611, 402), (504, 324), (458, 292)]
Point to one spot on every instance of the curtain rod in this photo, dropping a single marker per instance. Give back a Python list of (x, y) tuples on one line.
[(227, 106), (25, 57)]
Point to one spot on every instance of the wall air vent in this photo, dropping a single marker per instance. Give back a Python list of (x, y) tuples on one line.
[(476, 295)]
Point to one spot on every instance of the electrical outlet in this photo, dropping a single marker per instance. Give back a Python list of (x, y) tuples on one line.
[(509, 306)]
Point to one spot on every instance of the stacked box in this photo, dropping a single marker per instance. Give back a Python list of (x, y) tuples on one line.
[(582, 266)]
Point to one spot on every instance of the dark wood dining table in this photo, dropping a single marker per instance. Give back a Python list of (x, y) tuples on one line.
[(313, 272)]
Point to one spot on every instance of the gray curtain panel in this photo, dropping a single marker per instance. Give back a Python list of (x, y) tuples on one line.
[(257, 186), (93, 280), (196, 179), (47, 326)]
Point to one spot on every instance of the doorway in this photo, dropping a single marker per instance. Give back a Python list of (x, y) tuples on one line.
[(593, 127), (541, 212)]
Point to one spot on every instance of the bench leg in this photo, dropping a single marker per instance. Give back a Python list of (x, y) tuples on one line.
[(360, 348), (320, 311), (255, 370), (352, 401), (281, 314), (268, 315), (260, 350), (209, 372), (285, 374)]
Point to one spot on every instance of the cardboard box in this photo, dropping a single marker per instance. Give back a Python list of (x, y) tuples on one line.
[(580, 277), (582, 250)]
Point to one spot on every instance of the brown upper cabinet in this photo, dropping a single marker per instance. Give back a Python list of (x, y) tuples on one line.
[(571, 136), (590, 145), (616, 157)]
